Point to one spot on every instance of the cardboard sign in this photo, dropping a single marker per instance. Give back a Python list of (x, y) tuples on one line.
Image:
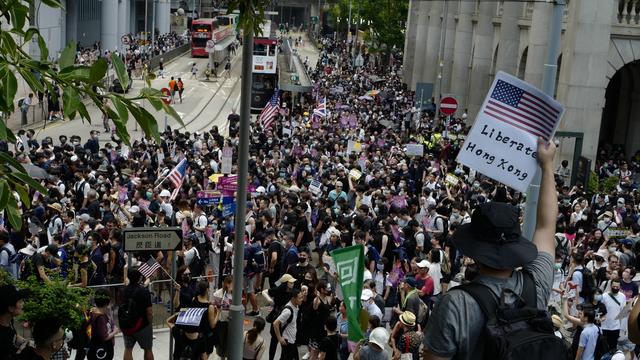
[(503, 141), (227, 155), (414, 149), (451, 179)]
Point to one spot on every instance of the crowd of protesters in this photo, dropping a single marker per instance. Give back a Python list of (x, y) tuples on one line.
[(318, 183)]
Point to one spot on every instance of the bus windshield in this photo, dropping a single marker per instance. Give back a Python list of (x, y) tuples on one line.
[(201, 27)]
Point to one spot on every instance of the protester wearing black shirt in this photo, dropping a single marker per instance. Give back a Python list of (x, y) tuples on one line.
[(142, 298)]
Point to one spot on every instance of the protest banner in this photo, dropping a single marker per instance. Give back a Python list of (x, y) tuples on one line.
[(227, 155), (354, 146), (503, 141), (349, 263), (617, 232), (315, 187), (414, 149), (215, 177)]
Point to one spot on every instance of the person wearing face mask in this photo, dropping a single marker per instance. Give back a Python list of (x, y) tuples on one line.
[(605, 221), (300, 269), (92, 145), (614, 302), (279, 295), (48, 337)]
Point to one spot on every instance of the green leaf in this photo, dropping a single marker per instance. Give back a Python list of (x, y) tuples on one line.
[(30, 33), (70, 101), (68, 56), (6, 133), (4, 193), (23, 178), (121, 131), (9, 88), (44, 51), (153, 95), (76, 73), (123, 113), (82, 110), (8, 160), (118, 65), (31, 80), (24, 194), (14, 215), (98, 70), (171, 111), (7, 44), (146, 120), (19, 14), (52, 3)]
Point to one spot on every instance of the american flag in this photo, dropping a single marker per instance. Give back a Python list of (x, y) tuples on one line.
[(176, 176), (522, 109), (321, 108), (270, 111), (149, 268)]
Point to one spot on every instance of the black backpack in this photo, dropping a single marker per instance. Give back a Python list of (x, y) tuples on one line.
[(197, 265), (515, 332), (257, 258), (588, 284), (129, 319)]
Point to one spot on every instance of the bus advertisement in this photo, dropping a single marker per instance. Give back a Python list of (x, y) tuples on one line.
[(264, 68)]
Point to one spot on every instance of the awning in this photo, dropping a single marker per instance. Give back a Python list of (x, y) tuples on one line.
[(224, 43)]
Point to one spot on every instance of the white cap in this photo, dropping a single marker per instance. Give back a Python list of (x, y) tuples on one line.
[(165, 193), (261, 190), (379, 336), (366, 294), (74, 158), (423, 264), (134, 209)]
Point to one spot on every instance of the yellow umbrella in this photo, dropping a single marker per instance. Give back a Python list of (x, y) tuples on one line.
[(372, 92)]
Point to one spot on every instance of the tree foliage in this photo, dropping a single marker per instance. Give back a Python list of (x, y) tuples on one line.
[(252, 14), (383, 19), (76, 82)]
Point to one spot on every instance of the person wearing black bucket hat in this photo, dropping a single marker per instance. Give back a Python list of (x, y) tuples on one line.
[(493, 239)]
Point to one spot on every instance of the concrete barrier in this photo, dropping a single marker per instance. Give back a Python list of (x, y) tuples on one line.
[(169, 55)]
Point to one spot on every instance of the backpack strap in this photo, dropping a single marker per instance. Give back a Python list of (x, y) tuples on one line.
[(529, 293), (485, 298)]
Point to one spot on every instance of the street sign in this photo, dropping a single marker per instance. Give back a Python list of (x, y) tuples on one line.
[(210, 45), (424, 91), (167, 96), (146, 239), (208, 197), (448, 105), (314, 19)]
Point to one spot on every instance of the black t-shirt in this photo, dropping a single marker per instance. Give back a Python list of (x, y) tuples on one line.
[(8, 340), (330, 345), (275, 247), (302, 226), (142, 297), (29, 354), (37, 260)]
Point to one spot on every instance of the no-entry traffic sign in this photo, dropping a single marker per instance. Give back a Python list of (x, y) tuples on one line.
[(144, 239), (448, 105), (167, 96)]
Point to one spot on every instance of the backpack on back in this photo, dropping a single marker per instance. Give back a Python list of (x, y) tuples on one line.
[(520, 331), (128, 318), (257, 258), (197, 265), (588, 284)]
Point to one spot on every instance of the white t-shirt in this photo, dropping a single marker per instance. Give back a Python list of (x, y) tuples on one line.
[(201, 222), (289, 333), (613, 310)]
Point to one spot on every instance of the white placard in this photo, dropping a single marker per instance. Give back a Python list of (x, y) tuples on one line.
[(315, 187), (227, 155), (503, 141), (414, 149), (354, 146)]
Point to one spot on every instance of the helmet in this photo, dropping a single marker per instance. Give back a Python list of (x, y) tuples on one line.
[(379, 336)]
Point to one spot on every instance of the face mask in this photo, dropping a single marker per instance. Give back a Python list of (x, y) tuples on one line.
[(612, 249), (302, 260), (214, 226), (597, 297), (149, 194), (557, 266), (615, 290), (89, 243)]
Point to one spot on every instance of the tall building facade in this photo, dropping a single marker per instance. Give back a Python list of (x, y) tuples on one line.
[(459, 46), (89, 21)]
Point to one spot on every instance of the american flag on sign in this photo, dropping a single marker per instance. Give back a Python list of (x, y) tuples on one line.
[(149, 268), (321, 108), (521, 109), (190, 316), (270, 111)]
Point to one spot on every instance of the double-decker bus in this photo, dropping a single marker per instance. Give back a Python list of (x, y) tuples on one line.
[(203, 30), (264, 72)]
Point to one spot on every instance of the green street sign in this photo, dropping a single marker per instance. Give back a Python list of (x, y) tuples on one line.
[(314, 19)]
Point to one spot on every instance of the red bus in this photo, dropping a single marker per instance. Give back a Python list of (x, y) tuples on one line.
[(203, 30)]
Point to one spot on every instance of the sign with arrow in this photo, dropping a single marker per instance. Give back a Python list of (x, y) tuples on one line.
[(146, 239)]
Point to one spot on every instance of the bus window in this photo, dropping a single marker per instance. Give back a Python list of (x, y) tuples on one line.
[(260, 49), (201, 27)]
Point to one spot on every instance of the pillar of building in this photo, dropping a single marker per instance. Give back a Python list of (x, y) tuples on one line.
[(110, 37), (124, 10), (410, 42), (462, 54), (583, 83), (482, 45), (430, 56), (449, 38), (163, 13), (509, 42), (538, 38), (421, 32)]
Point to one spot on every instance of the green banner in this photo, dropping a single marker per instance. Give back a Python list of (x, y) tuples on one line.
[(349, 264)]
